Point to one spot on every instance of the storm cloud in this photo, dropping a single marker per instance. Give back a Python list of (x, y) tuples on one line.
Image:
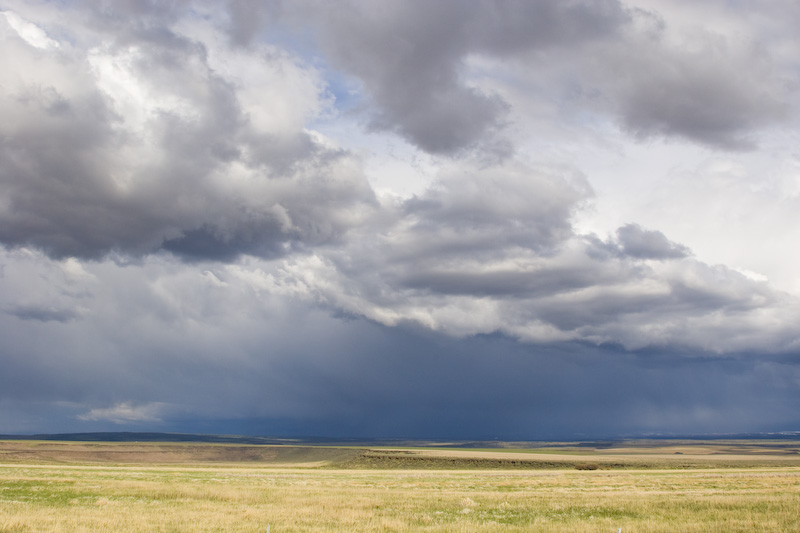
[(132, 148), (163, 347), (583, 224)]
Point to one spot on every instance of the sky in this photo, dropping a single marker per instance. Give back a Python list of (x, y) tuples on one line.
[(483, 219)]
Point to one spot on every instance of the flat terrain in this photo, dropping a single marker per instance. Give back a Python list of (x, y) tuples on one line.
[(644, 454), (637, 486)]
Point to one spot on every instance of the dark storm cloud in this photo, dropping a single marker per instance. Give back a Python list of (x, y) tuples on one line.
[(162, 346), (270, 380), (43, 314), (263, 240)]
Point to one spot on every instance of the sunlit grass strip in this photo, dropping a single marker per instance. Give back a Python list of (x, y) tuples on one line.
[(55, 498)]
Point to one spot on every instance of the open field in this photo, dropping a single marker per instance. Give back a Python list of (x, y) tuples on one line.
[(641, 486)]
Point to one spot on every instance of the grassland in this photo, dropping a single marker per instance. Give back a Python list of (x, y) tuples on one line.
[(636, 486)]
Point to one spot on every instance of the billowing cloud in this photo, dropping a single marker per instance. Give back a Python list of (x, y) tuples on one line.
[(494, 251), (197, 146), (416, 63), (705, 87), (137, 147), (410, 57)]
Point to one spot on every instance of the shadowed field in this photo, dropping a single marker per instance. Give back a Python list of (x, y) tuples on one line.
[(625, 454), (48, 452), (636, 486)]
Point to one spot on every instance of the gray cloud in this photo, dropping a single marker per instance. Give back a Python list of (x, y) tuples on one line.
[(198, 362), (495, 251), (248, 18), (43, 314), (492, 210), (708, 90), (133, 149), (176, 155), (145, 176), (228, 349), (133, 19), (648, 244), (410, 57)]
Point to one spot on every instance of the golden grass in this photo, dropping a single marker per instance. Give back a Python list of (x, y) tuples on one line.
[(249, 495)]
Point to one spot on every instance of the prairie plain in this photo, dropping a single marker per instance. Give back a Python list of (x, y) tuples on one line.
[(653, 486)]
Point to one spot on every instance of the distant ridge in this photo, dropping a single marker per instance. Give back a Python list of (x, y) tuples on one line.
[(126, 436)]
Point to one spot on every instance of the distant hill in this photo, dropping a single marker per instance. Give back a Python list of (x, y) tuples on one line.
[(126, 436)]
